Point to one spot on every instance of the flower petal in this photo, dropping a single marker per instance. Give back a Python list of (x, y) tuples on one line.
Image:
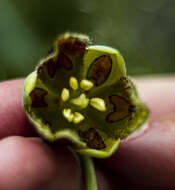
[(48, 119), (124, 110), (98, 143), (64, 62), (103, 65), (105, 153)]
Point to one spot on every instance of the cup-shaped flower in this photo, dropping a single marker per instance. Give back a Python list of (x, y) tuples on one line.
[(81, 93)]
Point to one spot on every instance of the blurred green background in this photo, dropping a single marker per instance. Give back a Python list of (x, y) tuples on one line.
[(143, 31)]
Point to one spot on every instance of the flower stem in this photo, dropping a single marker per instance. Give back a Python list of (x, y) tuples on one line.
[(89, 172)]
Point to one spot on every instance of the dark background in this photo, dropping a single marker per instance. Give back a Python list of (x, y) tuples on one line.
[(143, 31)]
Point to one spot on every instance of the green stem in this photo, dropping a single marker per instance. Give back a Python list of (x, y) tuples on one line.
[(89, 172)]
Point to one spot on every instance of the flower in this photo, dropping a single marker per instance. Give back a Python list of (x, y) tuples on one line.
[(80, 92)]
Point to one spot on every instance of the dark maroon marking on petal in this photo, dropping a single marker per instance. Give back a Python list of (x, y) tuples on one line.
[(121, 109), (92, 138), (100, 69), (37, 96), (72, 46), (64, 61), (51, 67)]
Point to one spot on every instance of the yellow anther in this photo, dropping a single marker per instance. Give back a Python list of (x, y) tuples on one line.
[(78, 117), (65, 94), (73, 82), (81, 101), (86, 84), (98, 104), (67, 113)]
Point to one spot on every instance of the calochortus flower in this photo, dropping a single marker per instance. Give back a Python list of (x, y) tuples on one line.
[(81, 93)]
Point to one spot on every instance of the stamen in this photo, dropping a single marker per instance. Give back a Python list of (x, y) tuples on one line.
[(81, 101), (86, 84), (73, 82), (67, 113), (98, 103), (78, 117), (65, 94)]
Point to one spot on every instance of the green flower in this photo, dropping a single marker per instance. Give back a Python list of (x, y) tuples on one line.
[(80, 92)]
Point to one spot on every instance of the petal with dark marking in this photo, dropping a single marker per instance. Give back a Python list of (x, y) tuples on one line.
[(100, 69), (92, 138), (72, 46), (37, 96)]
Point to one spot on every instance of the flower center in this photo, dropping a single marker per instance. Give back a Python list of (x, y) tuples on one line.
[(81, 101)]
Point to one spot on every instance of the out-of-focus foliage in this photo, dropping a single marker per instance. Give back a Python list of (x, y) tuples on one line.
[(143, 31)]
